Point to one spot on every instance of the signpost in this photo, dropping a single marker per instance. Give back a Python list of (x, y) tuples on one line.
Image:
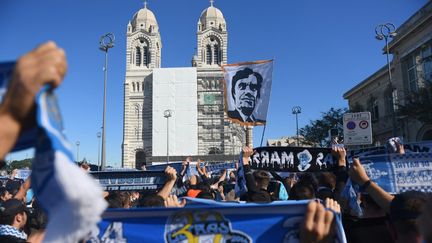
[(357, 128)]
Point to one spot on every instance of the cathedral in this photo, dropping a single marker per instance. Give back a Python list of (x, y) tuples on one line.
[(149, 137)]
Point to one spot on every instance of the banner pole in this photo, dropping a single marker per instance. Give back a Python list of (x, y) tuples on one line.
[(262, 136)]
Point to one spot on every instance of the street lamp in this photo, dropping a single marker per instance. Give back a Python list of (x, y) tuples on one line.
[(98, 136), (384, 32), (106, 42), (167, 115), (297, 110), (77, 144)]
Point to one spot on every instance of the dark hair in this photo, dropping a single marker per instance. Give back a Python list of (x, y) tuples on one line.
[(327, 179), (262, 178), (118, 199), (7, 220), (206, 195), (3, 191), (302, 190), (152, 200), (245, 73), (404, 210)]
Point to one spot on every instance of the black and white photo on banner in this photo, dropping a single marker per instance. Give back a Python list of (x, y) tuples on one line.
[(247, 91), (293, 159)]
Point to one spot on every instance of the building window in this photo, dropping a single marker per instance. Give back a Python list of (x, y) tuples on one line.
[(394, 98), (146, 57), (138, 56), (412, 74), (418, 67), (373, 108), (209, 55), (133, 87), (216, 55), (426, 60)]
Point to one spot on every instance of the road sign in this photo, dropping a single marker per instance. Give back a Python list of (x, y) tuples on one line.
[(357, 128)]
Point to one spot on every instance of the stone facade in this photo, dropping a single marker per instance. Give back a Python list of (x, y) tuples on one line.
[(411, 69), (218, 138)]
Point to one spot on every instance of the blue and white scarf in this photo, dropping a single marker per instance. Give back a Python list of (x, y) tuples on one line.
[(8, 230), (72, 199)]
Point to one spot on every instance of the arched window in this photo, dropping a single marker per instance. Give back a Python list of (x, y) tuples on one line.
[(137, 86), (209, 55), (138, 56), (133, 86), (146, 56), (216, 55)]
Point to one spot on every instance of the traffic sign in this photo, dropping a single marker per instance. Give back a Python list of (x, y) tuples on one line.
[(357, 128)]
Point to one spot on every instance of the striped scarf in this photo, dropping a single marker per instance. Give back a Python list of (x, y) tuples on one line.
[(12, 231)]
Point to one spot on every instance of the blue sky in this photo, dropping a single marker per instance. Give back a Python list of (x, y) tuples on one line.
[(321, 49)]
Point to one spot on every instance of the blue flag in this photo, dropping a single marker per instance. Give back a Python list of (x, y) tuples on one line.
[(207, 221), (240, 186), (72, 199)]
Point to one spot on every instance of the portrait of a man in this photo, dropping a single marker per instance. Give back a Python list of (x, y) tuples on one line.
[(245, 90)]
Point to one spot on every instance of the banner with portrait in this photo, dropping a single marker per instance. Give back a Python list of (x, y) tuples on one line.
[(292, 159), (247, 91)]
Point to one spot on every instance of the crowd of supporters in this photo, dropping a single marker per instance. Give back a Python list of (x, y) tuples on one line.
[(405, 217), (386, 218)]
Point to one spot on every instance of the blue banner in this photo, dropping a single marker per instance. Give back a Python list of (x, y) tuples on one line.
[(130, 180), (415, 147), (207, 221), (398, 173)]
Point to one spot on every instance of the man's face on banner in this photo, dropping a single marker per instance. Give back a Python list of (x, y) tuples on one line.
[(246, 92)]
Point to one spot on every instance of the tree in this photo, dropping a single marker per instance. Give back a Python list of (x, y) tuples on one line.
[(317, 131), (418, 106), (19, 164)]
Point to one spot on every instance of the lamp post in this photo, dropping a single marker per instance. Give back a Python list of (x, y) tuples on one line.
[(98, 135), (297, 110), (77, 144), (106, 42), (384, 32), (167, 115)]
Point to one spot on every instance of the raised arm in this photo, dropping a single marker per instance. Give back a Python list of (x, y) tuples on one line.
[(171, 177), (45, 64), (22, 192), (358, 174)]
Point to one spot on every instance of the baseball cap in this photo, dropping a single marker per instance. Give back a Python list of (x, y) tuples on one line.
[(12, 207)]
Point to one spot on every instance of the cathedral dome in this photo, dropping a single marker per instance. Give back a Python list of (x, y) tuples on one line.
[(212, 17), (145, 19)]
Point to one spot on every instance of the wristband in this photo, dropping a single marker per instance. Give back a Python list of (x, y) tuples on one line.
[(365, 185)]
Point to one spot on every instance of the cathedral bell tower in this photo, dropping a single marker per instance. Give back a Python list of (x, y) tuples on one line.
[(143, 54), (212, 39)]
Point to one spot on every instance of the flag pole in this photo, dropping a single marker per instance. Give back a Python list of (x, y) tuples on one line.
[(262, 135)]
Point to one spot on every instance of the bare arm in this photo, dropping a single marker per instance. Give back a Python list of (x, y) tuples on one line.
[(9, 131), (171, 175), (22, 192), (359, 176), (45, 64)]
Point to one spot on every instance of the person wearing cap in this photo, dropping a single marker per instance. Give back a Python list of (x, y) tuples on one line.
[(13, 218)]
